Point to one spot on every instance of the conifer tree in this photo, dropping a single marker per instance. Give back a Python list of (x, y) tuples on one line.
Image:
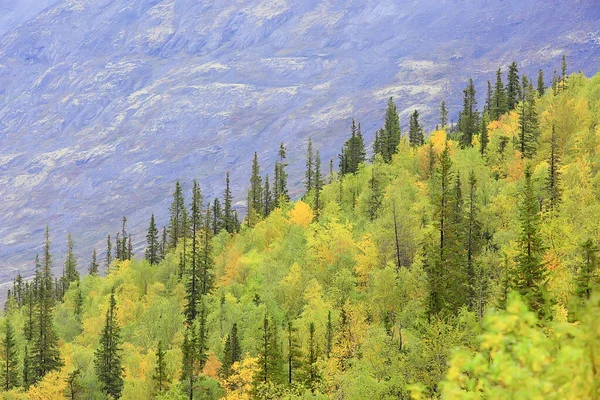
[(124, 249), (563, 68), (73, 385), (530, 275), (107, 362), (489, 98), (129, 248), (153, 249), (217, 217), (468, 122), (318, 185), (27, 378), (293, 352), (193, 289), (255, 195), (160, 370), (280, 190), (443, 115), (267, 200), (353, 152), (93, 270), (228, 214), (554, 83), (415, 131), (176, 211), (269, 355), (499, 105), (329, 344), (376, 195), (483, 136), (587, 269), (391, 132), (311, 359), (541, 88), (44, 355), (108, 258), (232, 352), (553, 179), (119, 253), (308, 175), (513, 87), (528, 121), (202, 336), (188, 350), (71, 273), (78, 306), (163, 244), (10, 363)]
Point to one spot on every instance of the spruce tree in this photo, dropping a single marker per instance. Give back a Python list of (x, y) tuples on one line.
[(554, 83), (293, 352), (176, 216), (553, 179), (499, 105), (188, 359), (329, 337), (228, 214), (107, 362), (217, 216), (269, 355), (153, 248), (267, 200), (530, 275), (541, 88), (308, 175), (483, 135), (124, 246), (513, 87), (93, 270), (129, 248), (44, 355), (473, 236), (528, 121), (119, 253), (563, 68), (587, 269), (353, 152), (311, 359), (108, 258), (202, 336), (193, 289), (391, 132), (375, 196), (232, 352), (318, 185), (205, 256), (489, 98), (255, 194), (71, 273), (163, 243), (10, 363), (280, 190), (443, 115), (468, 122), (415, 131), (160, 370)]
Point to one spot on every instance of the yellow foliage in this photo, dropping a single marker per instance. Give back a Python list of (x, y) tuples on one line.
[(366, 260), (50, 388), (301, 214), (239, 385), (212, 366)]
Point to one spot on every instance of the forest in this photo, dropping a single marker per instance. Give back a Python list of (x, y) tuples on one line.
[(461, 263)]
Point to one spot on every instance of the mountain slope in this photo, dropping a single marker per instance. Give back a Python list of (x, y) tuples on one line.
[(104, 104)]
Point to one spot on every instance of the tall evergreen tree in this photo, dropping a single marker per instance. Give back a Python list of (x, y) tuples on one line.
[(530, 275), (541, 87), (108, 356), (311, 359), (513, 87), (160, 370), (415, 131), (93, 270), (329, 336), (587, 269), (553, 179), (269, 355), (124, 246), (44, 355), (188, 359), (388, 138), (153, 248), (71, 273), (563, 68), (176, 216), (473, 236), (443, 115), (164, 243), (268, 199), (318, 185), (280, 190), (232, 352), (129, 248), (468, 122), (554, 83), (217, 216), (193, 290), (353, 152), (376, 194), (255, 195), (483, 135), (528, 121), (500, 105), (228, 213), (308, 175), (293, 352), (205, 256), (489, 98), (109, 257), (10, 363)]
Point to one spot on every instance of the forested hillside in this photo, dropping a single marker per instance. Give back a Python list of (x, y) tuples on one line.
[(456, 264)]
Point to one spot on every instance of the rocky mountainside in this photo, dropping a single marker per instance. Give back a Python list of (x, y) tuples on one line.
[(105, 103)]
